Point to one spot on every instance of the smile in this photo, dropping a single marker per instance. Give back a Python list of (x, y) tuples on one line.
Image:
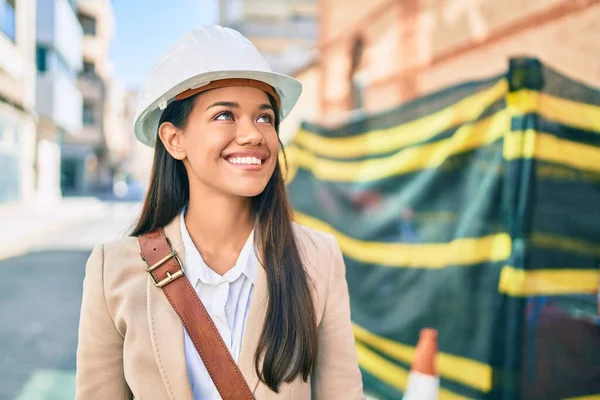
[(245, 160)]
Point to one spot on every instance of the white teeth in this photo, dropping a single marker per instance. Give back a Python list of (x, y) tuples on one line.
[(245, 160)]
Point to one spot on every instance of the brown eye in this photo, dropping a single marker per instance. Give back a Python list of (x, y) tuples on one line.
[(265, 118), (224, 116)]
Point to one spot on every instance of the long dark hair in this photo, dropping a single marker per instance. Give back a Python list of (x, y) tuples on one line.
[(289, 342)]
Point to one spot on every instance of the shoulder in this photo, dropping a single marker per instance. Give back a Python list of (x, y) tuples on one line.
[(118, 259), (117, 273), (123, 248)]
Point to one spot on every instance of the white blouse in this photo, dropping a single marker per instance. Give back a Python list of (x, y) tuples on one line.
[(226, 299)]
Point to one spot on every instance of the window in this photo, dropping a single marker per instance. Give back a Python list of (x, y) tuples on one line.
[(88, 24), (357, 52), (89, 67), (69, 174), (49, 60), (7, 18), (88, 113), (357, 94), (41, 58), (357, 88), (9, 179)]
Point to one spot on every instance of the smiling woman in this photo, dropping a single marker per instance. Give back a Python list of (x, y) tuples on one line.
[(234, 300)]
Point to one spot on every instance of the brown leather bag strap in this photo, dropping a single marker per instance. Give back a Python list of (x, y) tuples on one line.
[(167, 274)]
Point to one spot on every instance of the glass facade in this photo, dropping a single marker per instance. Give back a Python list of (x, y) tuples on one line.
[(7, 18), (10, 148)]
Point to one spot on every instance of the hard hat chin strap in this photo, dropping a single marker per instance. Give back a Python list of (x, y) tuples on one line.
[(228, 83)]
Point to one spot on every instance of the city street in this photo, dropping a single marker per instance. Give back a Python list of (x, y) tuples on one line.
[(40, 296)]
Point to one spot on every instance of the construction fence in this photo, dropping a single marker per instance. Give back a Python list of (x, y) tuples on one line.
[(474, 211)]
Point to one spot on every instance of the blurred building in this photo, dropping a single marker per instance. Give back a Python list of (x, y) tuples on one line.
[(378, 54), (307, 107), (138, 163), (285, 31), (118, 132), (85, 161), (59, 101), (17, 100)]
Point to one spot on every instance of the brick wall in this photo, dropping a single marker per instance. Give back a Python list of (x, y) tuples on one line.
[(568, 44), (413, 47)]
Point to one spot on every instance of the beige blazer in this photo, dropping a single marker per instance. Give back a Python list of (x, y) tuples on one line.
[(131, 340)]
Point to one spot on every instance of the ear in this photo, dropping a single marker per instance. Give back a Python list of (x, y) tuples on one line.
[(172, 140)]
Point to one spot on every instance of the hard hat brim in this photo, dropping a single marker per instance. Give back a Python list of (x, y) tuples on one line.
[(146, 122)]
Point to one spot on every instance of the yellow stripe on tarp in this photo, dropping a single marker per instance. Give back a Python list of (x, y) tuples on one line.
[(547, 282), (462, 251), (468, 372), (390, 373), (381, 368), (517, 144), (546, 147), (387, 140), (288, 173), (588, 397), (431, 155), (566, 112)]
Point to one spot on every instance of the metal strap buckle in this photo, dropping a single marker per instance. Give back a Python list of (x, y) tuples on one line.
[(170, 277)]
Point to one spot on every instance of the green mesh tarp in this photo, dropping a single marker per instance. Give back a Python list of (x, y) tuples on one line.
[(474, 211)]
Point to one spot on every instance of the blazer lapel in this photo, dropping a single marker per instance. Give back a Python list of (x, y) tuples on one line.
[(254, 325), (166, 330)]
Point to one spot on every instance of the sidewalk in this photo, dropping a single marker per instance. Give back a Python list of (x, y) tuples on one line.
[(24, 225)]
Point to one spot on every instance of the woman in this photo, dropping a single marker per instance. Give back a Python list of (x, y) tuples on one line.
[(275, 291)]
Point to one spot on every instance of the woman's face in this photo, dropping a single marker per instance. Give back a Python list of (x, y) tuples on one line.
[(229, 144)]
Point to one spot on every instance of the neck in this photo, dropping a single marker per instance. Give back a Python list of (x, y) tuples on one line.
[(218, 220)]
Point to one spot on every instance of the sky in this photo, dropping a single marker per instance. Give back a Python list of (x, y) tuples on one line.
[(145, 29)]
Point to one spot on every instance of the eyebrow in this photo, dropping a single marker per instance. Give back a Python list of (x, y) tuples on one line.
[(233, 104), (266, 107), (228, 104)]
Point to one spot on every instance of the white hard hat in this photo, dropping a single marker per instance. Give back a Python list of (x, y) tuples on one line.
[(204, 55)]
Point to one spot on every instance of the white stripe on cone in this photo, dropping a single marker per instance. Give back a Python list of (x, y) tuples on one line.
[(422, 387)]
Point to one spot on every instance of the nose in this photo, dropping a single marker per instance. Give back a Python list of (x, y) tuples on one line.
[(249, 134)]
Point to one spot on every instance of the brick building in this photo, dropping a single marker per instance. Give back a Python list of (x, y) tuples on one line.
[(377, 54)]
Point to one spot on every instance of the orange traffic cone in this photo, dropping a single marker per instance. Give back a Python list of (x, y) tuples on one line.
[(423, 380)]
